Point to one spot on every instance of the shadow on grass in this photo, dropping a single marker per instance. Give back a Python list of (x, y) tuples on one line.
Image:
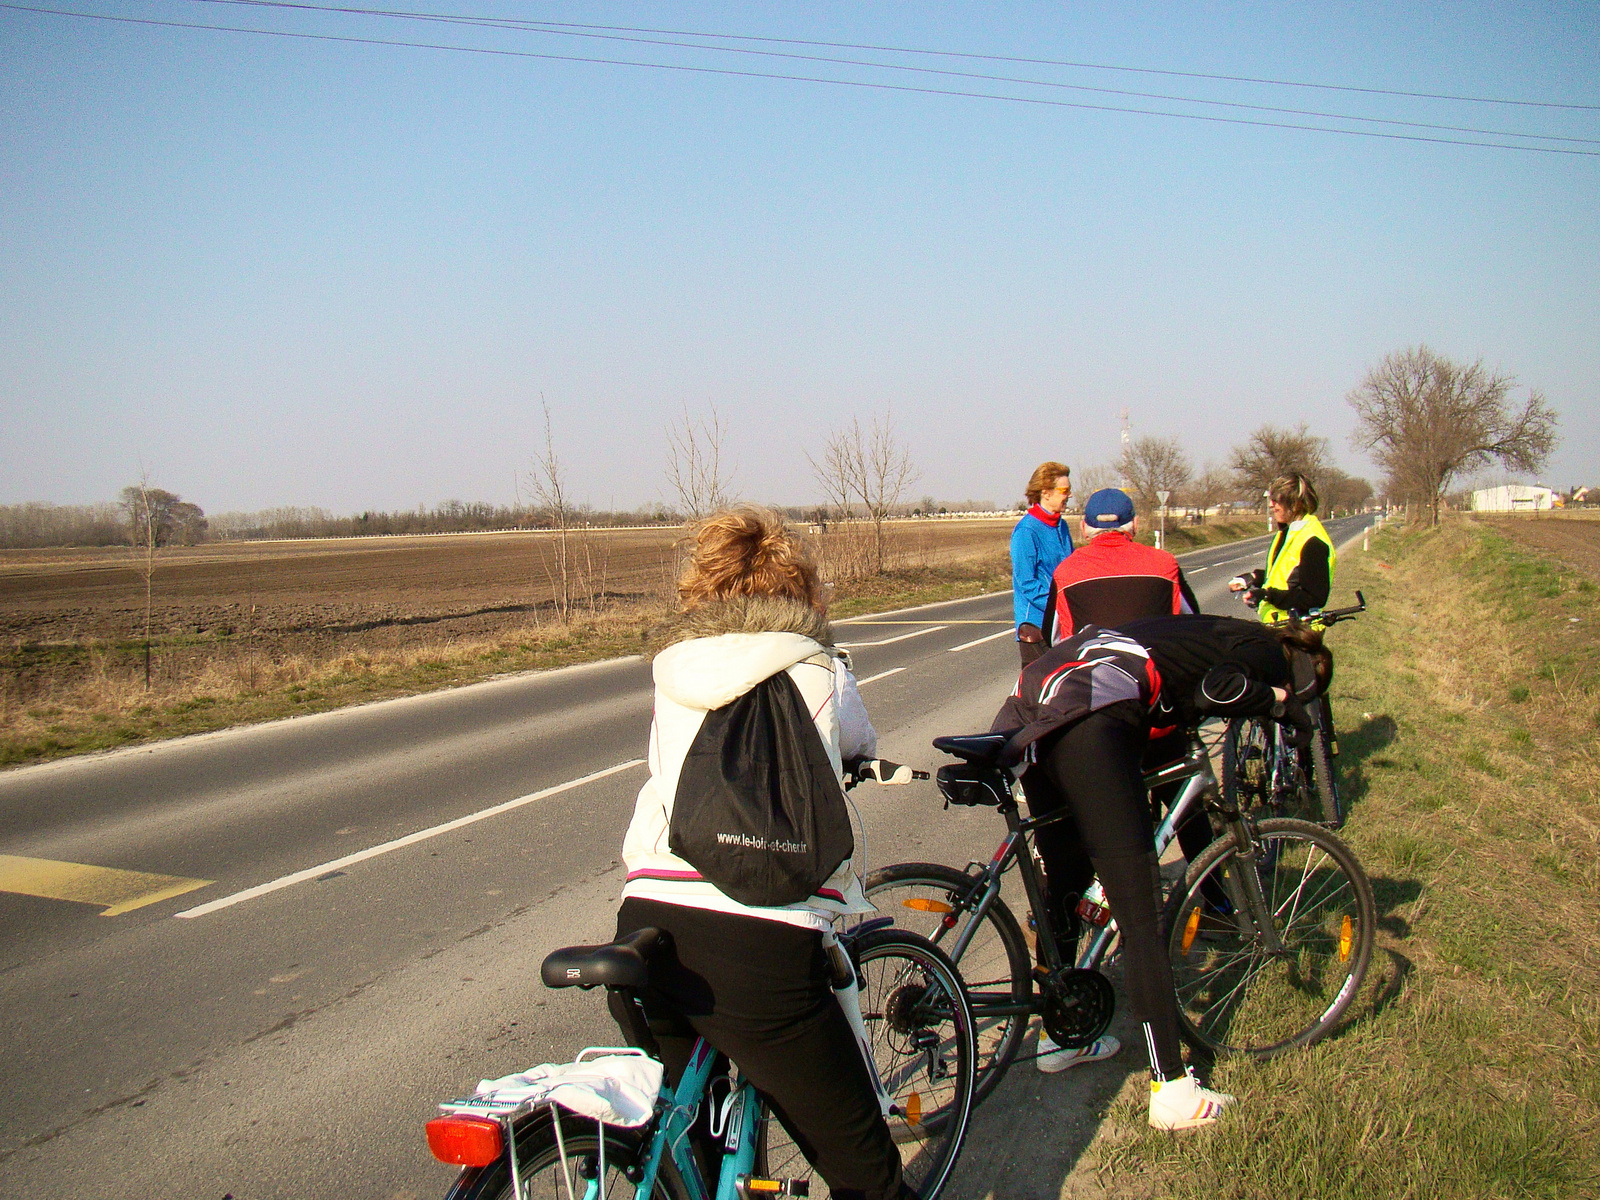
[(1391, 894), (1356, 746)]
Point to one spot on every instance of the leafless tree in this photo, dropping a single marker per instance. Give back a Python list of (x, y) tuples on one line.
[(1213, 486), (1341, 492), (697, 471), (870, 466), (1270, 452), (1152, 465), (1427, 419), (1086, 481), (147, 508), (548, 484)]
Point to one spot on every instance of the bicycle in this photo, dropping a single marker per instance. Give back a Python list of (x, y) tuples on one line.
[(1270, 930), (1262, 767), (904, 999)]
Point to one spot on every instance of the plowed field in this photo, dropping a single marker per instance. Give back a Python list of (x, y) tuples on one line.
[(1574, 539)]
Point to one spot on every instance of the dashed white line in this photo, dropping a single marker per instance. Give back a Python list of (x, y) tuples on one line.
[(885, 641), (1006, 632), (878, 676), (410, 839)]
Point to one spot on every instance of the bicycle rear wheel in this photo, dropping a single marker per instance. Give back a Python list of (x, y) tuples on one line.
[(545, 1174), (1235, 995), (1322, 785), (1248, 752), (920, 1034), (937, 902)]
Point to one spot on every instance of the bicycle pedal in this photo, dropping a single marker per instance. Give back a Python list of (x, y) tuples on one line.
[(750, 1188)]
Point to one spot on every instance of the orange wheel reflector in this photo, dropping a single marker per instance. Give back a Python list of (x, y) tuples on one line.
[(1346, 936), (465, 1140), (1190, 928), (913, 1107), (763, 1185), (921, 905)]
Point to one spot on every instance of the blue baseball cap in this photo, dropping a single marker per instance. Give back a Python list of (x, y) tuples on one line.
[(1107, 509)]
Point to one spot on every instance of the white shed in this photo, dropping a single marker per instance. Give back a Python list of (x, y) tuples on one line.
[(1513, 497)]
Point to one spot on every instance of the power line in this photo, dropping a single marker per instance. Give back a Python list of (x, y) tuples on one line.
[(1045, 62), (773, 75), (569, 31)]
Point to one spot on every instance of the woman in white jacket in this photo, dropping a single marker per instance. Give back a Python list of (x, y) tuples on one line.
[(752, 981)]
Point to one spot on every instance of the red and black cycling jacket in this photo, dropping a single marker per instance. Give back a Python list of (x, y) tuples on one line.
[(1110, 580)]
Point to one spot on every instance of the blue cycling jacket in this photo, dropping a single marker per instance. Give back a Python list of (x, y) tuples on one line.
[(1037, 548)]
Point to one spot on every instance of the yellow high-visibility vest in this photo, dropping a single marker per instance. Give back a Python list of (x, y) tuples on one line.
[(1281, 564)]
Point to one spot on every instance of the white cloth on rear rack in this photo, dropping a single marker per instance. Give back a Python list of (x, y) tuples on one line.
[(619, 1089)]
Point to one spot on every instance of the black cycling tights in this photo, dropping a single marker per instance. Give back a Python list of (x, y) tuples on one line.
[(1092, 768), (759, 991)]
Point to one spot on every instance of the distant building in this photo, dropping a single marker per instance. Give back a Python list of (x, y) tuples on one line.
[(1513, 497)]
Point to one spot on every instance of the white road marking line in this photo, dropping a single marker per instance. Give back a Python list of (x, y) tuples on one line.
[(969, 645), (1197, 570), (409, 840), (878, 676), (885, 641)]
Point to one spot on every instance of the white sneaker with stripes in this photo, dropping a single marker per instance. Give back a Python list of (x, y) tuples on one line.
[(1182, 1103), (1052, 1058)]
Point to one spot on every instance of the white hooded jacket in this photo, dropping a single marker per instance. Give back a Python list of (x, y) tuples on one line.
[(717, 653)]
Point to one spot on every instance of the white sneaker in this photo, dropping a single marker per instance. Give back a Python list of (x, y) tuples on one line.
[(1182, 1103), (1052, 1058)]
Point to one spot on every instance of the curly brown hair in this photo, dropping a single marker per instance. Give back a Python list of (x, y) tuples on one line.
[(1295, 634), (748, 551), (1044, 478)]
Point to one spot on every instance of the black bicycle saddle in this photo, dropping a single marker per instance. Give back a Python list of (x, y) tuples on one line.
[(981, 748), (622, 963)]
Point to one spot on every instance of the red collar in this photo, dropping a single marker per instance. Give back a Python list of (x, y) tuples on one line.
[(1045, 515)]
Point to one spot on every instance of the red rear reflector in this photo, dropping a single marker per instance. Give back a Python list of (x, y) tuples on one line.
[(464, 1140)]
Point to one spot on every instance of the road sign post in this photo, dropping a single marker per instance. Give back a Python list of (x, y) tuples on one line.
[(1161, 535)]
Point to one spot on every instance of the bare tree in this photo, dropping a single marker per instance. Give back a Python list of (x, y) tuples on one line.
[(1342, 492), (696, 469), (1213, 486), (1427, 419), (870, 466), (1270, 452), (548, 484), (147, 509), (1090, 480), (1152, 465)]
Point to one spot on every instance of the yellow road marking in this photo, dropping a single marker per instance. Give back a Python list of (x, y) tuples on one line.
[(117, 891)]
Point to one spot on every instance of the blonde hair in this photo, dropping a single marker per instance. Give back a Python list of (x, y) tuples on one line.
[(1295, 493), (1044, 478), (747, 551)]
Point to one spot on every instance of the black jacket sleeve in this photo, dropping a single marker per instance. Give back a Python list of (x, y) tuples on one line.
[(1309, 582), (1228, 689)]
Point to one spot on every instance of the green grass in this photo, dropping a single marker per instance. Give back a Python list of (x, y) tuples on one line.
[(1471, 1067)]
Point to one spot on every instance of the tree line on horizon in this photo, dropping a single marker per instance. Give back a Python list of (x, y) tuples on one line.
[(1426, 420)]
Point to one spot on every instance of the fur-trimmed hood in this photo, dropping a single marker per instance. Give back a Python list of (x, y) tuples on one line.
[(711, 655), (740, 614)]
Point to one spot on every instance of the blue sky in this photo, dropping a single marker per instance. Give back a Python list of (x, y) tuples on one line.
[(279, 271)]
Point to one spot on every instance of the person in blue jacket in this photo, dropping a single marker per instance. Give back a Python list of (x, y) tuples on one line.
[(1038, 544)]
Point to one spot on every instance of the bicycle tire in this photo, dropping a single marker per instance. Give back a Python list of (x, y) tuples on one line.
[(1233, 997), (920, 1034), (996, 966), (1323, 783), (539, 1158), (1247, 761)]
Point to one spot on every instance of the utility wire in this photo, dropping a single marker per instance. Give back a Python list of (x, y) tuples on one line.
[(542, 27), (855, 83), (1045, 62)]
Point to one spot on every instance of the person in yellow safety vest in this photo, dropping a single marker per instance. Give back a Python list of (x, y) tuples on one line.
[(1300, 561)]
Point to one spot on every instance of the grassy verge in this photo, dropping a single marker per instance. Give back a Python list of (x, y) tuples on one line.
[(1467, 704)]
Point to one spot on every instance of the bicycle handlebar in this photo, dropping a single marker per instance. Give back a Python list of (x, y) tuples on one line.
[(880, 771)]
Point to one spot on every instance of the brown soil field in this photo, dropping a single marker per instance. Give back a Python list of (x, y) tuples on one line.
[(1572, 538), (453, 583)]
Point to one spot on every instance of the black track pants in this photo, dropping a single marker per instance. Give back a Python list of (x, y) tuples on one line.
[(759, 992), (1092, 768)]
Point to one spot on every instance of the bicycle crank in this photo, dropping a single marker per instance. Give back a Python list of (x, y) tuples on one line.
[(1078, 1006)]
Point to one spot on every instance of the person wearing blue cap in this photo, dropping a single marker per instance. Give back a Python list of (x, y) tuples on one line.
[(1112, 578), (1038, 544)]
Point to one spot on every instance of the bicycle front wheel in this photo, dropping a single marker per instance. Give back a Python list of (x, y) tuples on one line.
[(920, 1035), (1238, 992), (1321, 782), (938, 902), (547, 1174)]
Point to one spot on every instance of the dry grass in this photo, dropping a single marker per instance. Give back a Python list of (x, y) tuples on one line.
[(1467, 700)]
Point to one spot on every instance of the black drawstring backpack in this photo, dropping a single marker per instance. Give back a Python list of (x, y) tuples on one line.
[(759, 811)]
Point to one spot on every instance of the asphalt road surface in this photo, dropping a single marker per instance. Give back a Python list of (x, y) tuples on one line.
[(250, 963)]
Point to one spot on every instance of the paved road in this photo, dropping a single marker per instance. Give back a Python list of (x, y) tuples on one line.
[(283, 1027)]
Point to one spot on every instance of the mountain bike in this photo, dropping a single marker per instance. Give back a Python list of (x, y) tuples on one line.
[(1262, 767), (913, 1025), (1270, 930)]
